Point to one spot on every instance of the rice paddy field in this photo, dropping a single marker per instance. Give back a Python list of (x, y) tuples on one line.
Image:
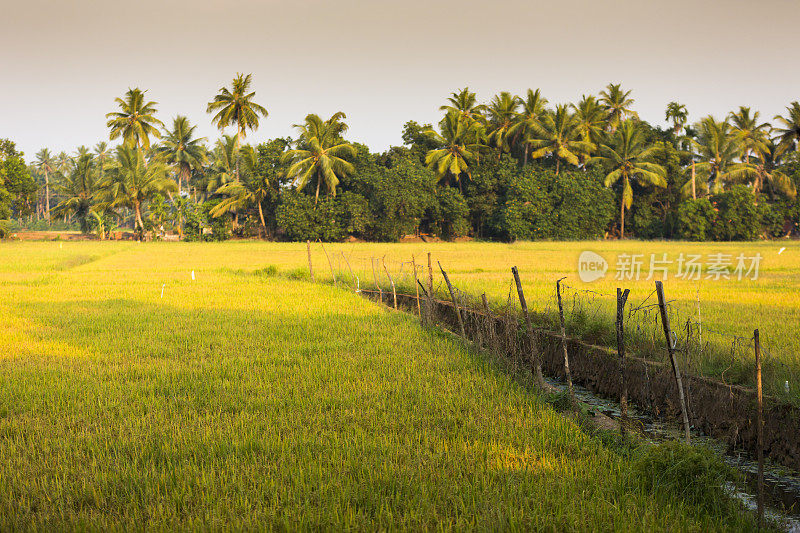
[(175, 386)]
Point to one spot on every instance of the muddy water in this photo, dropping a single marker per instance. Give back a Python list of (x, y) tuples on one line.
[(782, 487)]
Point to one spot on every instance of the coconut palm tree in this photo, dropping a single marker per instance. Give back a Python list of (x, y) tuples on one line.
[(618, 105), (590, 116), (465, 103), (627, 159), (751, 136), (502, 117), (457, 148), (235, 107), (253, 188), (678, 114), (79, 187), (769, 171), (717, 150), (533, 111), (321, 153), (136, 120), (789, 134), (558, 135), (180, 150), (132, 183), (222, 170), (46, 165)]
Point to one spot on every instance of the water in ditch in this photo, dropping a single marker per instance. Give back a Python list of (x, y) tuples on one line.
[(782, 487)]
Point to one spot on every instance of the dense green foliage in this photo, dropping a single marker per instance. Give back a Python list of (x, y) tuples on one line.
[(512, 169)]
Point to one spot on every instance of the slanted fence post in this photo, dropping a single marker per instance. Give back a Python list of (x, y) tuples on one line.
[(537, 365), (455, 302), (310, 266), (355, 284), (567, 375), (671, 349), (759, 431), (333, 274), (430, 289), (416, 286), (622, 297), (375, 277)]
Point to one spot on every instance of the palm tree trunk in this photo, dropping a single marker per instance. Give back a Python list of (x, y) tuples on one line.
[(47, 194), (622, 220), (236, 151), (319, 179), (558, 165), (694, 186), (261, 216), (525, 159), (139, 223)]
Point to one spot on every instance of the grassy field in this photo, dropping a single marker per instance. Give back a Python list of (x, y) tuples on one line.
[(132, 396)]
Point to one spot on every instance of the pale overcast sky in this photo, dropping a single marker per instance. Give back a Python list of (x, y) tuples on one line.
[(382, 62)]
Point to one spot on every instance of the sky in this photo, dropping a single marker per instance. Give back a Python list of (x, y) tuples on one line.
[(381, 62)]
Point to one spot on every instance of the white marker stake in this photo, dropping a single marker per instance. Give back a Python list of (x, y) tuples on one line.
[(781, 250), (61, 245), (162, 290), (192, 275)]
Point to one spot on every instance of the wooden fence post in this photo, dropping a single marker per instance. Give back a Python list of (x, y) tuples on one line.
[(537, 365), (375, 277), (671, 349), (567, 375), (310, 266), (455, 302), (760, 431), (394, 292), (622, 297), (416, 285), (430, 289)]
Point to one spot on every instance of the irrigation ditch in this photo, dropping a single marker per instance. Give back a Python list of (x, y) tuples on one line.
[(722, 416)]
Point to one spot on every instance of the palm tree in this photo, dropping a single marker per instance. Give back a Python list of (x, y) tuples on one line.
[(222, 170), (136, 121), (590, 116), (751, 135), (253, 189), (80, 188), (678, 114), (789, 135), (768, 170), (617, 103), (321, 153), (502, 114), (180, 150), (457, 148), (628, 159), (533, 111), (466, 104), (236, 107), (132, 182), (717, 149), (558, 135), (45, 164)]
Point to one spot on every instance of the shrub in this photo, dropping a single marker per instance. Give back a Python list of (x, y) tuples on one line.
[(450, 214), (738, 218), (695, 219)]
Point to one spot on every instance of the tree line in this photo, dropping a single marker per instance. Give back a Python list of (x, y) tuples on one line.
[(513, 168)]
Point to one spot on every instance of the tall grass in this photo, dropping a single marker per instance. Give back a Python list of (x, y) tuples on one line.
[(254, 402)]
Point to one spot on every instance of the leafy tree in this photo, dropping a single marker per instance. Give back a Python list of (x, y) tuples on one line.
[(182, 151), (769, 171), (321, 153), (136, 121), (627, 159), (416, 138), (738, 218), (618, 105), (17, 186), (678, 114), (558, 135), (236, 107), (455, 149), (750, 135), (132, 183), (696, 218), (789, 134)]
